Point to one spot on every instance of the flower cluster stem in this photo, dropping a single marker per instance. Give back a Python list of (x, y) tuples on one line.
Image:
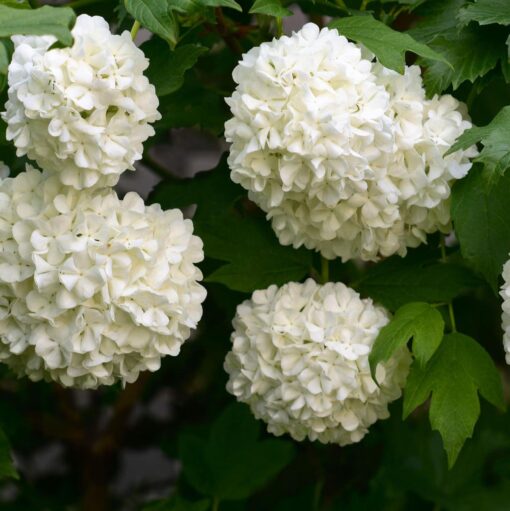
[(279, 27), (317, 494), (215, 504), (135, 29), (451, 312), (324, 270)]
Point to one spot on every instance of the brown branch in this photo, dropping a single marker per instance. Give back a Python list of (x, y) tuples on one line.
[(94, 450), (225, 33), (100, 456), (115, 431)]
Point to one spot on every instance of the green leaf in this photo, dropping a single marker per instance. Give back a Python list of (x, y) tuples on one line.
[(414, 462), (7, 469), (177, 503), (16, 4), (184, 6), (4, 59), (222, 3), (388, 45), (232, 463), (472, 53), (481, 218), (459, 370), (437, 17), (193, 105), (494, 137), (270, 8), (419, 321), (412, 4), (505, 64), (4, 65), (397, 281), (234, 232), (167, 67), (486, 12), (43, 21), (156, 16)]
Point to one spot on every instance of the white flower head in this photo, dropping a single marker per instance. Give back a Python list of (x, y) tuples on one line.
[(299, 358), (505, 294), (345, 156), (84, 111), (94, 289)]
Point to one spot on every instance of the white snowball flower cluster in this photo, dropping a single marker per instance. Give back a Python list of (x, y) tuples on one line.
[(505, 294), (300, 360), (83, 111), (345, 156), (93, 289)]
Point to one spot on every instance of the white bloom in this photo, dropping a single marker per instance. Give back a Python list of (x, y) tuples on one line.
[(94, 289), (505, 294), (300, 360), (344, 155), (82, 111)]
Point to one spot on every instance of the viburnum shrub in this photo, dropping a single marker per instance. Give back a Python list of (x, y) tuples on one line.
[(340, 279)]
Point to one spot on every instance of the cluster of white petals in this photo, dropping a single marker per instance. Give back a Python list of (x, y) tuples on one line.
[(300, 360), (93, 289), (505, 294), (84, 111), (345, 156)]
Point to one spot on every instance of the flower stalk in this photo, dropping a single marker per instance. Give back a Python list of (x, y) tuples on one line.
[(135, 29)]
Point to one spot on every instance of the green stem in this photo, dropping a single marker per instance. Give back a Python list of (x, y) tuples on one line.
[(452, 317), (215, 504), (324, 270), (317, 495), (451, 312), (279, 27), (135, 29), (363, 5), (342, 5)]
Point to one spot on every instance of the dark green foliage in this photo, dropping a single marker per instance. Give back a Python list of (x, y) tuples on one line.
[(486, 12), (432, 281), (459, 370), (451, 452), (389, 46), (472, 53), (419, 321), (45, 20), (482, 222), (7, 469), (495, 154), (167, 68), (270, 8), (232, 463)]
